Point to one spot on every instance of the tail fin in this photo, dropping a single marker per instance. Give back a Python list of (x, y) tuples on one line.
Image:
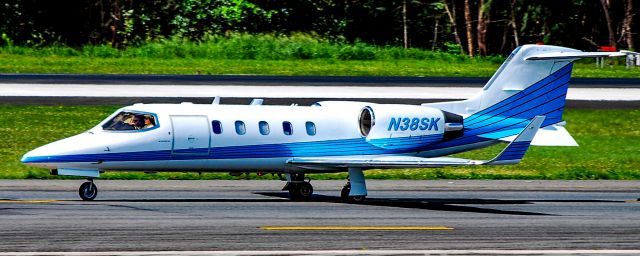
[(533, 81)]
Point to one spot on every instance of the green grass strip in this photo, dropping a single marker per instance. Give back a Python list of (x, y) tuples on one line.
[(608, 149), (10, 63)]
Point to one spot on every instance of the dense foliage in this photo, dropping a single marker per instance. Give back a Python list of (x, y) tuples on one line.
[(471, 26)]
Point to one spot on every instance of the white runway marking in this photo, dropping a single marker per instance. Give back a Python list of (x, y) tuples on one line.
[(337, 252), (337, 92)]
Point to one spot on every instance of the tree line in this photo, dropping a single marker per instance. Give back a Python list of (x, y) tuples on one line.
[(473, 27)]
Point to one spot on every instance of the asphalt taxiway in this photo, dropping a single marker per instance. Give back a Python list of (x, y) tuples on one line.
[(281, 90), (47, 216)]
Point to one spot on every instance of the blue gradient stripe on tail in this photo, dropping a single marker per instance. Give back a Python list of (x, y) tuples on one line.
[(535, 95), (545, 97)]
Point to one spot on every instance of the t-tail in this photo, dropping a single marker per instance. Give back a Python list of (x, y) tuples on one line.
[(533, 81)]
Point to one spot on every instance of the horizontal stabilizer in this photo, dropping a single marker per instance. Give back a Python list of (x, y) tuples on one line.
[(573, 55), (553, 135)]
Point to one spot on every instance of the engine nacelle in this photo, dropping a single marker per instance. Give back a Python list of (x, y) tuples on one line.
[(408, 127)]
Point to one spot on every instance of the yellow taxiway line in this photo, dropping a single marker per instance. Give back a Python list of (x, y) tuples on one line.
[(9, 201), (354, 228)]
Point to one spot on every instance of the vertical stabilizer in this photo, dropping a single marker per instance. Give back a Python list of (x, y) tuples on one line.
[(533, 81), (534, 87)]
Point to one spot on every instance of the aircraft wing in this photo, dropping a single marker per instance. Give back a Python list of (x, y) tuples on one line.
[(381, 162), (512, 154)]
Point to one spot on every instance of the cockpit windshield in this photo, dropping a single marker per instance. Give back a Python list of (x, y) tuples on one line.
[(130, 121)]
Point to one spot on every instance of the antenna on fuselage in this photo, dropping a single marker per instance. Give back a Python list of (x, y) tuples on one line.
[(256, 102), (216, 101)]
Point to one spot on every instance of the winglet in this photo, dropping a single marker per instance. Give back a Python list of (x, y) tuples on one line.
[(515, 151)]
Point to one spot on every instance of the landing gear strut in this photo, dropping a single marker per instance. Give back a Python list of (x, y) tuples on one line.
[(344, 194), (299, 188), (355, 191), (88, 190)]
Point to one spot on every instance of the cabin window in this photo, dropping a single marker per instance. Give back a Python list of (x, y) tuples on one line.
[(311, 128), (263, 127), (287, 128), (131, 121), (240, 128), (216, 126)]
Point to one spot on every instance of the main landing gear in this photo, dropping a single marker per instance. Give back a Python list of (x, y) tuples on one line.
[(88, 190), (355, 191), (299, 188)]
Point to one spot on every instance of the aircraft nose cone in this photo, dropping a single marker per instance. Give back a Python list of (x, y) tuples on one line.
[(26, 158), (56, 153), (34, 158)]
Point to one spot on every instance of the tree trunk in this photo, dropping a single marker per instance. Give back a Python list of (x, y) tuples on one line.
[(435, 35), (116, 22), (404, 24), (627, 24), (605, 8), (468, 23), (452, 18), (505, 35), (514, 26), (483, 20)]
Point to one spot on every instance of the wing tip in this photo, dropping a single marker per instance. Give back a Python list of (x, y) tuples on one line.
[(515, 151)]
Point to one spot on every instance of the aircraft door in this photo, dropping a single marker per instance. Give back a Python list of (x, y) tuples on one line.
[(190, 135)]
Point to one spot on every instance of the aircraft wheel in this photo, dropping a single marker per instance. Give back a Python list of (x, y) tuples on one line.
[(356, 199), (344, 194), (301, 191), (88, 191)]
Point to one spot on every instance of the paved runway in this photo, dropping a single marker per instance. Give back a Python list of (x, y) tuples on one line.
[(281, 90), (255, 215), (258, 91), (275, 80)]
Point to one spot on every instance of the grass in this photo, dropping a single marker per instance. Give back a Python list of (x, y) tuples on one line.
[(85, 65), (609, 148), (298, 54)]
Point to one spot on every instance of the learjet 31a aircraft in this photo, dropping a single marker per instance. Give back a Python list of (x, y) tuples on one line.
[(521, 104)]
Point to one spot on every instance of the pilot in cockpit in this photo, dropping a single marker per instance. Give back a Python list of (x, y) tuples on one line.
[(138, 122), (122, 122), (127, 121), (149, 122)]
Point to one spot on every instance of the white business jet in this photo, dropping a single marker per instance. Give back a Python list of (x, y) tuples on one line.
[(521, 104)]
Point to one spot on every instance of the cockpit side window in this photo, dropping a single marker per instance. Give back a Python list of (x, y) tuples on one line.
[(131, 121)]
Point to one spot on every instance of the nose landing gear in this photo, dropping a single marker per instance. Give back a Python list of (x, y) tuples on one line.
[(88, 190)]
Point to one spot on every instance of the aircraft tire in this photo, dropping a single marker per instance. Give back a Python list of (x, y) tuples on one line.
[(357, 199), (344, 194), (301, 191), (88, 191)]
